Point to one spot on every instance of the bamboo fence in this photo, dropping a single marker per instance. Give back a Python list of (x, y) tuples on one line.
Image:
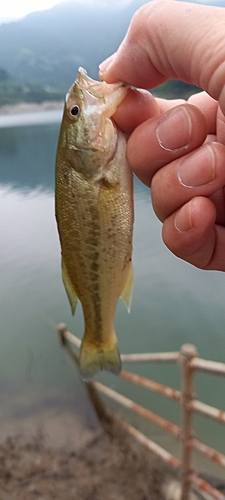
[(190, 363)]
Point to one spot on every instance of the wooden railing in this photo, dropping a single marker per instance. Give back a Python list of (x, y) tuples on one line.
[(190, 363)]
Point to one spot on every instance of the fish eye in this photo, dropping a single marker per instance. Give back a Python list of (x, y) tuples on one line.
[(75, 110)]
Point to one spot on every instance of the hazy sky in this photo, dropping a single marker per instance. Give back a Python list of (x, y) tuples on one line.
[(12, 9), (15, 8), (20, 8)]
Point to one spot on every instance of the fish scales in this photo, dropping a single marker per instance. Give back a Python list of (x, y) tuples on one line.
[(94, 211)]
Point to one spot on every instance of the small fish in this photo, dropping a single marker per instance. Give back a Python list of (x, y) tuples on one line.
[(94, 212)]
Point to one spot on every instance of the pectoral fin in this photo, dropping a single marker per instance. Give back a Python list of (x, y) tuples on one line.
[(126, 295), (71, 294)]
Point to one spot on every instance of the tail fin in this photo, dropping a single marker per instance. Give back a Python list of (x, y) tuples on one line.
[(95, 359)]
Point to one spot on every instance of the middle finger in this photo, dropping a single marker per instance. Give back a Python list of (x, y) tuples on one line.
[(200, 173)]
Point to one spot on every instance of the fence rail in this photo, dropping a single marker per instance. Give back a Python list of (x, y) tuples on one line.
[(152, 385), (190, 363)]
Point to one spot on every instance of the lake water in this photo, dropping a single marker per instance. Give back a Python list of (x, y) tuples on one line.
[(173, 303)]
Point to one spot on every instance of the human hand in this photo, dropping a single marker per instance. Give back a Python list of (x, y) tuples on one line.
[(175, 147)]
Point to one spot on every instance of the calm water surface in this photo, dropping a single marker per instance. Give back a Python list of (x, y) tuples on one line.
[(173, 303)]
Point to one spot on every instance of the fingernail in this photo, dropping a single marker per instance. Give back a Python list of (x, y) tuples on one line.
[(104, 66), (174, 129), (198, 168), (182, 219)]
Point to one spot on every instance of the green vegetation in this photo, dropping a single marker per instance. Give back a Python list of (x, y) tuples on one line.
[(13, 92), (175, 89)]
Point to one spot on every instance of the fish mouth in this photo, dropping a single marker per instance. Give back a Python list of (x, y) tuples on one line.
[(109, 95), (99, 103)]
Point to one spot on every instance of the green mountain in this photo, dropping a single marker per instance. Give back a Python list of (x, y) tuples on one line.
[(47, 47), (13, 92), (42, 52)]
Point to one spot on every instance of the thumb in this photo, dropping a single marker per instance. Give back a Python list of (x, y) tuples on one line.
[(168, 39)]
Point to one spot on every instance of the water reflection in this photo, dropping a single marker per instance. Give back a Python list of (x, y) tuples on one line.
[(173, 303), (27, 156), (29, 256)]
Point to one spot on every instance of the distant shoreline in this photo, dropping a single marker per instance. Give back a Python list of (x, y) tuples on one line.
[(30, 107), (26, 114)]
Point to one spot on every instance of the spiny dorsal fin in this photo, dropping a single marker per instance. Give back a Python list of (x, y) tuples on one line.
[(71, 294)]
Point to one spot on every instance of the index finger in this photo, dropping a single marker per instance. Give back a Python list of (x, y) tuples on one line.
[(160, 34)]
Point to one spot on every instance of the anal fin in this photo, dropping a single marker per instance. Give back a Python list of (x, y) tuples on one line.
[(71, 294), (126, 295)]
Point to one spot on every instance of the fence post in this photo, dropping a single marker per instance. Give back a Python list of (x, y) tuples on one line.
[(188, 352)]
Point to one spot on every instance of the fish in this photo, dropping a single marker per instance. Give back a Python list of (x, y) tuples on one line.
[(95, 213)]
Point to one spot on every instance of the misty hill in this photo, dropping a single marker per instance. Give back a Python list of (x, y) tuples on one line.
[(44, 49), (47, 47), (13, 91)]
